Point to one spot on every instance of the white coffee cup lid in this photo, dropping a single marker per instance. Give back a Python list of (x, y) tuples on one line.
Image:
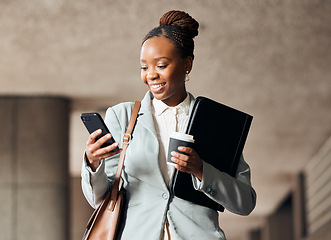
[(182, 136)]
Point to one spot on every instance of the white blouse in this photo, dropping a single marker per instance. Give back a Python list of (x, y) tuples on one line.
[(168, 120)]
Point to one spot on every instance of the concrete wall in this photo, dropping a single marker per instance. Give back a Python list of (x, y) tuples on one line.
[(34, 179), (317, 189), (80, 210)]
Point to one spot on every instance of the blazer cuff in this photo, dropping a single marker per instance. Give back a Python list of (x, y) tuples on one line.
[(89, 175), (208, 177), (197, 184)]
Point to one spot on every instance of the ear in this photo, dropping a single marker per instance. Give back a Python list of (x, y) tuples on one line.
[(188, 64)]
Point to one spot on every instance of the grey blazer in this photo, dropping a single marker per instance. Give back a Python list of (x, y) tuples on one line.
[(149, 199)]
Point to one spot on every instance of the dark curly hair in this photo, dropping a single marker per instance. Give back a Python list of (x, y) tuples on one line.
[(179, 27)]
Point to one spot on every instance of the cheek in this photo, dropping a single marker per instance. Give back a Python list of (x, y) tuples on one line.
[(177, 77), (178, 73)]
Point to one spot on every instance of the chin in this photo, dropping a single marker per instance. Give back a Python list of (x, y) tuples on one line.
[(158, 96)]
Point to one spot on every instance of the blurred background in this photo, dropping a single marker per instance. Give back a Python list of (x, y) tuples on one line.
[(269, 58)]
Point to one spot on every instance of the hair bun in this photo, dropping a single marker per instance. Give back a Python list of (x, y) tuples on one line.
[(180, 19)]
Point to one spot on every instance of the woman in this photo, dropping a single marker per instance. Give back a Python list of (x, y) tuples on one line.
[(153, 213)]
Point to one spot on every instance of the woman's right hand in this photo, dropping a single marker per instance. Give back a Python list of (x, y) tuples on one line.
[(95, 153)]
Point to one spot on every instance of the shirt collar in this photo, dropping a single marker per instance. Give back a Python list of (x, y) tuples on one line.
[(160, 107)]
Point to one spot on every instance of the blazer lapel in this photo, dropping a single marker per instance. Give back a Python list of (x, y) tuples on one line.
[(146, 120), (145, 115), (192, 100)]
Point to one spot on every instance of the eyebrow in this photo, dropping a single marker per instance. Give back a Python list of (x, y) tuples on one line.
[(156, 59)]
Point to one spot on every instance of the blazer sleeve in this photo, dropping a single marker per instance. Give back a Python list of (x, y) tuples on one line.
[(235, 194), (96, 184)]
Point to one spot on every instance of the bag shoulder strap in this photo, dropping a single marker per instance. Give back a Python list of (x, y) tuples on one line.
[(126, 141)]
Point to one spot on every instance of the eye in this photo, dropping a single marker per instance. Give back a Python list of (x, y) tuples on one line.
[(143, 68), (163, 66)]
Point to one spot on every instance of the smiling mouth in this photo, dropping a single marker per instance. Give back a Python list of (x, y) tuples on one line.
[(156, 86)]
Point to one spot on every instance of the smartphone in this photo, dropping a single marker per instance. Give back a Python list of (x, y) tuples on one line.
[(93, 122)]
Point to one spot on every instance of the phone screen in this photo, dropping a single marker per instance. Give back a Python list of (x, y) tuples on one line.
[(93, 122)]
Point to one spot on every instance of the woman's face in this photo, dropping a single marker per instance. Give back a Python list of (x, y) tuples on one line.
[(163, 70)]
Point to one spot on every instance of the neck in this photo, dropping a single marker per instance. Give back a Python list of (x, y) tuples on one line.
[(174, 102)]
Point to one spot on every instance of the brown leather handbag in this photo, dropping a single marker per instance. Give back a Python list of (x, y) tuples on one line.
[(105, 220)]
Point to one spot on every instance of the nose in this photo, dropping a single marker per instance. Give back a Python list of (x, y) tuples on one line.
[(152, 75)]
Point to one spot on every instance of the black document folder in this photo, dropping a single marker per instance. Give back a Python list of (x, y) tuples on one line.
[(220, 133)]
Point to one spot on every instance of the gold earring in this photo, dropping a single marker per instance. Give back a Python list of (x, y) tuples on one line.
[(187, 78)]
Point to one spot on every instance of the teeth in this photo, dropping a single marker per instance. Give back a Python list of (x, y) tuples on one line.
[(157, 85)]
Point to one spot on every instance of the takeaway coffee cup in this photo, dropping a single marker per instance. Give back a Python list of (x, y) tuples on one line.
[(179, 140)]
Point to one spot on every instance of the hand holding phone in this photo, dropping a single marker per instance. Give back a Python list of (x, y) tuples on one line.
[(93, 122)]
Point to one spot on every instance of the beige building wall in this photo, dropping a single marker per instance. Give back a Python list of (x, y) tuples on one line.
[(34, 177), (80, 210)]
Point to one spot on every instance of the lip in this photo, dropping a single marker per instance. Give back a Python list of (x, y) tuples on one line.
[(156, 87)]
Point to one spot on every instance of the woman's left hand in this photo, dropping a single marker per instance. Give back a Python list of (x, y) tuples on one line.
[(190, 163)]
